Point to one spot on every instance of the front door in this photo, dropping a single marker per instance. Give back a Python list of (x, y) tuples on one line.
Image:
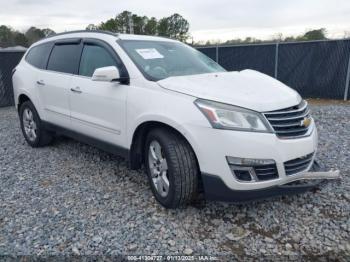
[(98, 108)]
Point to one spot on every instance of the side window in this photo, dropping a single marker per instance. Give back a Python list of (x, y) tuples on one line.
[(65, 58), (93, 57), (38, 55)]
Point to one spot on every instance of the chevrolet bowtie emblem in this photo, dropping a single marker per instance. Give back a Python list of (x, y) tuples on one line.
[(305, 122)]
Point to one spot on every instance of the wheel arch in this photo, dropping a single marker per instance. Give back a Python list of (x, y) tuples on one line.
[(21, 99), (139, 138)]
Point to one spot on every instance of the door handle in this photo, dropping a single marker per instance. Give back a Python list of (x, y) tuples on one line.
[(76, 90), (40, 82)]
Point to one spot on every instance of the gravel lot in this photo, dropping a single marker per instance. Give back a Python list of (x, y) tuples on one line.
[(70, 198)]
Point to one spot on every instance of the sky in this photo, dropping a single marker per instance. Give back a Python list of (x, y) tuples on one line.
[(209, 19)]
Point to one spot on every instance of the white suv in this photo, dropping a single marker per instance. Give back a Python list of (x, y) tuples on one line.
[(162, 104)]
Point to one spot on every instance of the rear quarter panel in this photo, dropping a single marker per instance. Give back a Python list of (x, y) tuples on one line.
[(24, 82)]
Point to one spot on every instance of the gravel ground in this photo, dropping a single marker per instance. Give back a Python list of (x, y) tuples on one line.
[(70, 198)]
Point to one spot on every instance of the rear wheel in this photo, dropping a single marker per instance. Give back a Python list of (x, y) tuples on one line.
[(171, 168), (32, 127)]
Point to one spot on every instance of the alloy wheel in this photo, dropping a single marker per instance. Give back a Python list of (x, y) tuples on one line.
[(29, 124), (158, 168)]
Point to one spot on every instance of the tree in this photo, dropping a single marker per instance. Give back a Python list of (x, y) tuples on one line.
[(248, 39), (163, 27), (48, 32), (178, 27), (20, 39), (109, 25), (6, 37), (277, 37), (124, 22), (34, 34), (91, 27), (174, 26), (151, 26), (290, 39), (139, 24), (317, 34)]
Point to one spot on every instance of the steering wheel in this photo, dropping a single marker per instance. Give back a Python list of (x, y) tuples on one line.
[(159, 71)]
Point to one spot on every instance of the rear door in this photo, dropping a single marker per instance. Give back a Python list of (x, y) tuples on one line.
[(37, 58), (98, 108), (54, 83)]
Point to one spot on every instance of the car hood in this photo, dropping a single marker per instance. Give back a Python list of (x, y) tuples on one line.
[(247, 88)]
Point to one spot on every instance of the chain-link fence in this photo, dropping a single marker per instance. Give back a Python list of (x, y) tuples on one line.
[(316, 69), (8, 61)]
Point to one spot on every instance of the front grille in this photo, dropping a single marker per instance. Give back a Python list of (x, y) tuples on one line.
[(266, 172), (288, 122), (298, 165)]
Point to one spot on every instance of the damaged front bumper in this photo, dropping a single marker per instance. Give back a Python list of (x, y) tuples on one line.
[(215, 189)]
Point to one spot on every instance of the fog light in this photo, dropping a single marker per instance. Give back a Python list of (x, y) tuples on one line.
[(243, 175), (252, 170), (249, 161)]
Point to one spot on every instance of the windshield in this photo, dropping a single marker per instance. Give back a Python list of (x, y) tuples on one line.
[(161, 59)]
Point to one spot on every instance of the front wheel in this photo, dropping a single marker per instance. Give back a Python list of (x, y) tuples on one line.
[(171, 168)]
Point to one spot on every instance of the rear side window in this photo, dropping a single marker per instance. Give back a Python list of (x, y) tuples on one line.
[(38, 55), (65, 58), (94, 57)]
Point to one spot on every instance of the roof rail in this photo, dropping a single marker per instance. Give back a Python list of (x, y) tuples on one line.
[(84, 31)]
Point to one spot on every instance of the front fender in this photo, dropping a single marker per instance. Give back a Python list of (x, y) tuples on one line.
[(163, 119)]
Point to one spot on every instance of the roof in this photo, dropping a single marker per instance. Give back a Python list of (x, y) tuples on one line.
[(102, 34), (143, 37)]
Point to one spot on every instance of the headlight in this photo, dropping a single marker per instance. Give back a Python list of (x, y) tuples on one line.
[(224, 116)]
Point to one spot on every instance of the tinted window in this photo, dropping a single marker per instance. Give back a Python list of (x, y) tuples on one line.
[(65, 58), (38, 55), (94, 57)]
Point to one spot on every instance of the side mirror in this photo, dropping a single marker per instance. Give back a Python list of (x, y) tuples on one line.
[(108, 74)]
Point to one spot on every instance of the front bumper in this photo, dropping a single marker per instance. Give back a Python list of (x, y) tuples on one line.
[(213, 146), (216, 190)]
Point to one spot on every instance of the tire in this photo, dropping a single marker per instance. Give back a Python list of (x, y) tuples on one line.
[(32, 127), (182, 170)]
